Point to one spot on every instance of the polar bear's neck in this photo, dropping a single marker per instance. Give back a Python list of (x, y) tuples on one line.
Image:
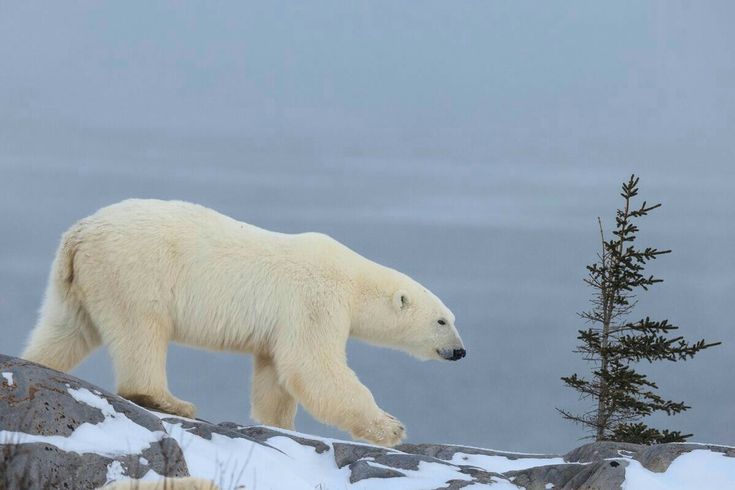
[(373, 287)]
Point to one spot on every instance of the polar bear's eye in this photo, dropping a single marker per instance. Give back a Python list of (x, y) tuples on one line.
[(442, 322)]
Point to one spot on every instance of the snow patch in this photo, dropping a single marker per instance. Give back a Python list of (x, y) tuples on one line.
[(115, 472), (152, 476), (501, 464), (700, 469), (428, 475), (85, 396), (116, 435), (9, 378), (233, 462)]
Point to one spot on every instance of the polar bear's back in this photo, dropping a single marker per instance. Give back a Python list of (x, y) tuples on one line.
[(205, 273), (151, 227), (156, 218)]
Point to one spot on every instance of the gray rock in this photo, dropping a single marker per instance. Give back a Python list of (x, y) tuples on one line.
[(603, 475), (260, 433), (447, 452), (346, 454), (481, 476), (658, 458), (456, 485), (405, 461), (596, 451), (39, 403), (205, 429), (362, 470), (608, 463), (538, 477), (46, 466), (355, 455), (531, 478), (39, 465)]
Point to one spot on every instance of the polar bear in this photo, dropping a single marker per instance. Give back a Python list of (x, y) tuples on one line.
[(140, 273)]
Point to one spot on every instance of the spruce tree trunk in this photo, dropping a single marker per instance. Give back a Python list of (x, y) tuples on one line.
[(602, 409), (608, 302)]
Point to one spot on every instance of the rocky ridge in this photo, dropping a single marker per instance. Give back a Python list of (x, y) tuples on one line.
[(57, 431)]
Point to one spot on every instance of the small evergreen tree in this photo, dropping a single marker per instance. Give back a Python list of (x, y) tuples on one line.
[(623, 396)]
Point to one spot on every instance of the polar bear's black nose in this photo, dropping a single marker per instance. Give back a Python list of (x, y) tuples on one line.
[(452, 354), (458, 354)]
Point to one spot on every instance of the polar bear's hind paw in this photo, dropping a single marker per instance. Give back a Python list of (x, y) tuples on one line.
[(168, 404)]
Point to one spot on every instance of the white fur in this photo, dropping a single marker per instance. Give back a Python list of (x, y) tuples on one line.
[(141, 273), (183, 483)]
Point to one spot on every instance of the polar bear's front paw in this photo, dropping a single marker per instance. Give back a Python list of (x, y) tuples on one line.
[(384, 430)]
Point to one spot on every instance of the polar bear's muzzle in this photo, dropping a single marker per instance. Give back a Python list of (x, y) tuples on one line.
[(452, 354)]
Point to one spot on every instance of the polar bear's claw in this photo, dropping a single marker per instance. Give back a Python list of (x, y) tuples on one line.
[(385, 430)]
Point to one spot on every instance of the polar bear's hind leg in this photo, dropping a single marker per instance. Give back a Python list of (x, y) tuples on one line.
[(140, 367)]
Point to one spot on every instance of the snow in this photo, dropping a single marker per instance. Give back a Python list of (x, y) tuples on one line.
[(428, 475), (703, 444), (700, 469), (9, 378), (116, 435), (88, 398), (231, 462), (152, 476), (115, 471), (501, 464)]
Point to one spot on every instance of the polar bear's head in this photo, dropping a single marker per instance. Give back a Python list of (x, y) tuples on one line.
[(403, 314)]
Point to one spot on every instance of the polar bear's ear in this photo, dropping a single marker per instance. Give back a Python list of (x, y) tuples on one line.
[(400, 299)]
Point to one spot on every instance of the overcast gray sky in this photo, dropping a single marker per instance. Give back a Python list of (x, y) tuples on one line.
[(469, 144)]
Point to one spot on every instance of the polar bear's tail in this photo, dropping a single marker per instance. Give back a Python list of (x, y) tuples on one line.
[(64, 334)]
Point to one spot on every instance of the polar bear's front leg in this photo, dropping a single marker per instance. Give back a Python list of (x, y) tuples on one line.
[(321, 381), (270, 403)]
